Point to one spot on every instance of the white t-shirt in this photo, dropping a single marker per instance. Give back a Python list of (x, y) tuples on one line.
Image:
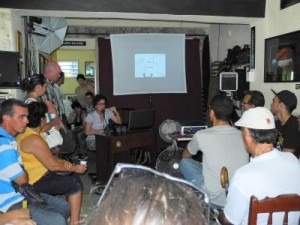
[(221, 146), (268, 175)]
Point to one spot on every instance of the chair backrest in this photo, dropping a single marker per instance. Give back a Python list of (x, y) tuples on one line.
[(282, 203), (224, 178)]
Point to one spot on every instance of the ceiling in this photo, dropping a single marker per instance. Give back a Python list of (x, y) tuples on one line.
[(235, 8), (94, 17)]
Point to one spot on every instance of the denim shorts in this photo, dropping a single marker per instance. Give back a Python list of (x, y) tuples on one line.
[(56, 184)]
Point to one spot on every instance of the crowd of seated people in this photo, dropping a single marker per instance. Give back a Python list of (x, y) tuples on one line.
[(221, 145)]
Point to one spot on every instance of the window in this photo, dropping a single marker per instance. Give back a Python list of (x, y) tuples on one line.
[(70, 68)]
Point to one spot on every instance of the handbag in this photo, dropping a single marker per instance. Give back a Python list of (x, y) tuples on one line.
[(53, 137), (30, 194)]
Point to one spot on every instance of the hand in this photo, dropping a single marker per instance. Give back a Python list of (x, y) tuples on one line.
[(23, 213), (114, 110), (80, 169)]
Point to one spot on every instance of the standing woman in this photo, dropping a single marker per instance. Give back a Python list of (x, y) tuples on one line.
[(36, 86), (83, 88), (41, 165), (97, 120)]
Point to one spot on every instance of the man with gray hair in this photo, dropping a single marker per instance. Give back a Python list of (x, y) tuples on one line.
[(269, 173)]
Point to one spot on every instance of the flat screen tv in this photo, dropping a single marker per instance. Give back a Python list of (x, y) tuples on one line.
[(9, 69), (141, 120)]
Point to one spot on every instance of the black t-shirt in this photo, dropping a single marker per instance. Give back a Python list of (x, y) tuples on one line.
[(289, 135)]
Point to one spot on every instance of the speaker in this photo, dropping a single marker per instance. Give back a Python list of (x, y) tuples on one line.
[(243, 85), (9, 69)]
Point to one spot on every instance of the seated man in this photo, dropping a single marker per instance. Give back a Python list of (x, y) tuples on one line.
[(221, 145), (89, 102), (252, 99), (13, 120), (269, 173), (282, 106)]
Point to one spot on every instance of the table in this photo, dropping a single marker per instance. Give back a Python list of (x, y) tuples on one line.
[(112, 149)]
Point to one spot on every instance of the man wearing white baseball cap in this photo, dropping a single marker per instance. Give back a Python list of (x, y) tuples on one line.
[(268, 174), (284, 102)]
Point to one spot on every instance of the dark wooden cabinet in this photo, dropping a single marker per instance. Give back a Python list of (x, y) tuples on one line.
[(116, 148)]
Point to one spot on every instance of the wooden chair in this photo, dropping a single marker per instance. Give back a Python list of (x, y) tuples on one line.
[(282, 203), (224, 178)]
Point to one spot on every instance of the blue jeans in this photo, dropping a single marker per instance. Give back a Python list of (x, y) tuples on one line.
[(192, 172), (56, 212)]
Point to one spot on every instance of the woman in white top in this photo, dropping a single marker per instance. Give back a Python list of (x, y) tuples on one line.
[(36, 86), (98, 120)]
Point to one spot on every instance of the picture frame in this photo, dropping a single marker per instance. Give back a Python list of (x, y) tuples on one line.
[(89, 69), (19, 42), (282, 58), (286, 3)]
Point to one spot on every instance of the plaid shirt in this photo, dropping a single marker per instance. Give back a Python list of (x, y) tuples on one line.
[(50, 95)]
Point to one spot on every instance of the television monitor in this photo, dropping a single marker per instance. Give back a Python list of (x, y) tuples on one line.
[(228, 81), (9, 69), (141, 120)]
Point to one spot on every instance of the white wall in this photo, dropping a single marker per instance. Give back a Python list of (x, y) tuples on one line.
[(225, 36), (276, 22)]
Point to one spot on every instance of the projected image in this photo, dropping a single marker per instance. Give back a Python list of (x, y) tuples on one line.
[(150, 65)]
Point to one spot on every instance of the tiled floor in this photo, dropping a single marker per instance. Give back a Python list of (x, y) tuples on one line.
[(89, 200)]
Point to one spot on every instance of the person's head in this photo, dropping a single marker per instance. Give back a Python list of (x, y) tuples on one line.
[(13, 116), (283, 101), (76, 106), (89, 97), (35, 83), (253, 99), (52, 71), (99, 102), (81, 79), (221, 108), (37, 111), (61, 79), (258, 127), (147, 199)]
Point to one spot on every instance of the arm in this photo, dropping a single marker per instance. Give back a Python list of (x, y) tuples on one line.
[(13, 215), (36, 145), (116, 117), (52, 110), (90, 131), (186, 153)]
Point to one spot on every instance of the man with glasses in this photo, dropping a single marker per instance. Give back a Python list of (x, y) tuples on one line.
[(221, 145), (252, 99)]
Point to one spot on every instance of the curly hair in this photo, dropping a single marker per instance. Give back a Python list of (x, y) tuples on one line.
[(36, 111)]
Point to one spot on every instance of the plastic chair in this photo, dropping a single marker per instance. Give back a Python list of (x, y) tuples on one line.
[(282, 203)]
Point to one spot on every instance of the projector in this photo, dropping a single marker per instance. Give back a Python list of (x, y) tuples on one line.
[(190, 127)]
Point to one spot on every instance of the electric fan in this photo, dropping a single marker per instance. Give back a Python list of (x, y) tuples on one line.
[(168, 160), (166, 128)]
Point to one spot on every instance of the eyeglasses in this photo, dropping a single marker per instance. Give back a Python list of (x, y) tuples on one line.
[(245, 103), (101, 103)]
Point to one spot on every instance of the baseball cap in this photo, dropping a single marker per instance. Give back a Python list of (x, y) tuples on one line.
[(288, 98), (257, 118)]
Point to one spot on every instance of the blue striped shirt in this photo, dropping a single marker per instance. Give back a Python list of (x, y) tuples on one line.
[(10, 169)]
